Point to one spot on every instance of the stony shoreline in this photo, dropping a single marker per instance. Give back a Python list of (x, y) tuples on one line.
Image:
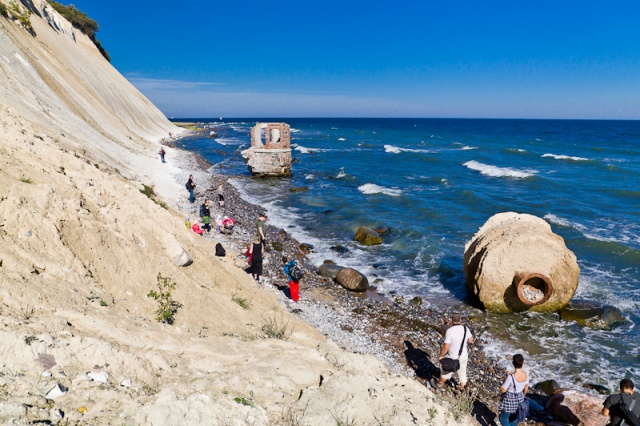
[(402, 335)]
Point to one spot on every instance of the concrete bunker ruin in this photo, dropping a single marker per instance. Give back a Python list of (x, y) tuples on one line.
[(270, 152)]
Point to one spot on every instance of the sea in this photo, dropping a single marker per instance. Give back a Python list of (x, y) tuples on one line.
[(434, 183)]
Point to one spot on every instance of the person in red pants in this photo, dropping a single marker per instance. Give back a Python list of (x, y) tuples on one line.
[(294, 285)]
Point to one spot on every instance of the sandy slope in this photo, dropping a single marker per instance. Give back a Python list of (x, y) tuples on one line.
[(76, 142)]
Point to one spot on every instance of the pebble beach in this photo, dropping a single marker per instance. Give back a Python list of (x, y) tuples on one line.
[(399, 332)]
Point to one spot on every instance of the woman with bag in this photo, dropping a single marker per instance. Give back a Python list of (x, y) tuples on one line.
[(514, 406)]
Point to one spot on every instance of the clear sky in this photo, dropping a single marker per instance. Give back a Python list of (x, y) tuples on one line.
[(296, 58)]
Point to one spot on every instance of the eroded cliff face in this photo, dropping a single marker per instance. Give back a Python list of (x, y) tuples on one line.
[(59, 81)]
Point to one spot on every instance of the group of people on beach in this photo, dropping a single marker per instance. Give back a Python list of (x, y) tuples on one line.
[(255, 252), (622, 408)]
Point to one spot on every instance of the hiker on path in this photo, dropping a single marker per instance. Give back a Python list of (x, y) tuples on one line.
[(514, 389), (191, 186), (260, 226), (294, 285), (220, 195), (162, 152), (256, 251), (623, 408), (456, 340)]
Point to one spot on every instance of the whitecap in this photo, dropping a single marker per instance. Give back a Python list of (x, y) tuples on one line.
[(557, 220), (495, 171), (341, 139), (309, 177), (302, 149), (565, 157), (467, 148), (392, 149), (292, 130), (341, 174), (372, 188)]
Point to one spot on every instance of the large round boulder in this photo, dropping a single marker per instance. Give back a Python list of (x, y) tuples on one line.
[(516, 263), (367, 236), (352, 280), (592, 314), (330, 270)]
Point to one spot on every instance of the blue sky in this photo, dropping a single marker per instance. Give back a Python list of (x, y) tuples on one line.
[(498, 59)]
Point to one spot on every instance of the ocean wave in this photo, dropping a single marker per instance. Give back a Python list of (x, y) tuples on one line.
[(341, 139), (341, 174), (396, 150), (495, 171), (619, 233), (292, 130), (229, 141), (467, 148), (557, 220), (372, 188), (565, 157)]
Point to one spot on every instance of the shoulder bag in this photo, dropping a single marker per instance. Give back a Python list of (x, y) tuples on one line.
[(451, 365)]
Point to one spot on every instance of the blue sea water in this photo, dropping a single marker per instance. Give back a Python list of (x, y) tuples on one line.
[(434, 182)]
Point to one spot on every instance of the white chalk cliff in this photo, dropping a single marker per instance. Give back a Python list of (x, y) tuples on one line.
[(80, 248)]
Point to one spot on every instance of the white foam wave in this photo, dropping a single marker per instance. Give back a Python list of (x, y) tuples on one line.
[(467, 148), (341, 139), (495, 171), (292, 130), (341, 174), (565, 157), (372, 188), (309, 177), (396, 150), (229, 141), (557, 220)]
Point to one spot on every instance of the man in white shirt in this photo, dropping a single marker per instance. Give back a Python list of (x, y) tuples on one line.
[(453, 338)]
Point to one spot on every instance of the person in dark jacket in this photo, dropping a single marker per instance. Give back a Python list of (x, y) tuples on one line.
[(623, 408), (256, 251), (191, 186)]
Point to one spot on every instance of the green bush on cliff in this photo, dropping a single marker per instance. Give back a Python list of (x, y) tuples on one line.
[(81, 21), (23, 16), (3, 10)]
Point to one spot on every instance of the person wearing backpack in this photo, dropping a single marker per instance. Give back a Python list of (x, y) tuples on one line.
[(623, 408), (293, 272), (205, 214), (162, 152), (191, 186)]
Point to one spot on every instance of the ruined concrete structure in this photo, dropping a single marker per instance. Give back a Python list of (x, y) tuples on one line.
[(270, 152)]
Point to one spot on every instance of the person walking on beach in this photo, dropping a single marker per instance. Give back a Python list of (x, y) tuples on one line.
[(456, 340), (256, 251), (205, 213), (162, 152), (191, 186), (260, 225), (623, 408), (220, 195), (514, 389), (294, 285)]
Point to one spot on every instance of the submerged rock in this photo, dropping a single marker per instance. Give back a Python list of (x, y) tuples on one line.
[(367, 236), (516, 263), (340, 249), (548, 387), (352, 280), (593, 314), (295, 189), (383, 230)]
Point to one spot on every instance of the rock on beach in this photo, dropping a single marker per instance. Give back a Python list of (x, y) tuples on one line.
[(352, 280), (367, 236), (515, 263)]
